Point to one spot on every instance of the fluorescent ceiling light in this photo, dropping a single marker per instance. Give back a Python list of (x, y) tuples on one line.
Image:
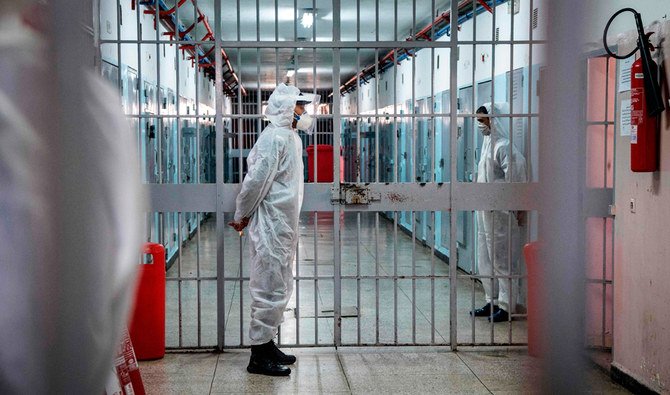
[(307, 19)]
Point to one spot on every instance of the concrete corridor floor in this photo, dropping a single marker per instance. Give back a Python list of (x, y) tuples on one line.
[(383, 370), (409, 311)]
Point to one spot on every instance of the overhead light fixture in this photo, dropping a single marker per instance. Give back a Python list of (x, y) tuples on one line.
[(307, 19), (290, 73)]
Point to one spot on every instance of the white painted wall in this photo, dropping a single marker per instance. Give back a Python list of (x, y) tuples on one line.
[(651, 10), (642, 263)]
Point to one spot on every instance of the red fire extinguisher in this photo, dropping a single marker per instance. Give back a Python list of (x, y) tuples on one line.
[(646, 100), (644, 149)]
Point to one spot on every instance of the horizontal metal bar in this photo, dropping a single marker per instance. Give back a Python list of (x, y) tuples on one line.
[(301, 278), (181, 197), (441, 115), (317, 197), (494, 344), (229, 46), (502, 42), (391, 197), (480, 276), (495, 196), (186, 350), (253, 44), (190, 279), (330, 116), (168, 116), (191, 350)]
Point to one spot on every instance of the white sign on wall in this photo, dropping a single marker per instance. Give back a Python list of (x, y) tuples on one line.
[(624, 121), (624, 73)]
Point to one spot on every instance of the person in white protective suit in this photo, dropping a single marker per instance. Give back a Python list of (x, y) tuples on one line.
[(500, 161), (269, 203), (70, 205)]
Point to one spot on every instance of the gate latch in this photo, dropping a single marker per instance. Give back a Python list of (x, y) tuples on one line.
[(354, 194)]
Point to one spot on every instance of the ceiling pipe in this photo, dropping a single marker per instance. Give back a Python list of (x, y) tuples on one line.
[(206, 63), (439, 26)]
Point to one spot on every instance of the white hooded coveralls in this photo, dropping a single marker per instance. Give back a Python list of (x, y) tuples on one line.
[(493, 227), (271, 196)]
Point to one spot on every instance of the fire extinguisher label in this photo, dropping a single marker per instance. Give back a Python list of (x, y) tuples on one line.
[(639, 76), (633, 134)]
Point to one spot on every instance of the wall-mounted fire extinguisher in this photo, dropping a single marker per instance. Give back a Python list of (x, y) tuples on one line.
[(646, 100)]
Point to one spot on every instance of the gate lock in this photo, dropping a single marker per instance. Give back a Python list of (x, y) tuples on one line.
[(354, 194)]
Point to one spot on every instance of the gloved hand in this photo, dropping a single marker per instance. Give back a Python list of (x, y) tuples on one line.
[(239, 226)]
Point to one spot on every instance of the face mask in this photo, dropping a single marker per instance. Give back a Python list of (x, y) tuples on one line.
[(304, 123), (485, 129)]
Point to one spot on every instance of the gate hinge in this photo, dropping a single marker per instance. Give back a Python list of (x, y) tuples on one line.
[(611, 210)]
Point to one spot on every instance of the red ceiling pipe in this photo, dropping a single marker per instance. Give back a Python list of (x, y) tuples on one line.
[(191, 48)]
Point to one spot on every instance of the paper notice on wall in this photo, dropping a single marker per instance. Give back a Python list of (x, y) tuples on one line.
[(624, 120), (624, 73)]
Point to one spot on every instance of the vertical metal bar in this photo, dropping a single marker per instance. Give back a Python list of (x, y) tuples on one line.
[(359, 96), (140, 87), (158, 121), (414, 106), (337, 126), (118, 48), (509, 278), (415, 153), (241, 280), (315, 141), (277, 39), (529, 165), (316, 279), (396, 160), (511, 307), (315, 138), (220, 221), (377, 120), (413, 217), (358, 277), (376, 273), (240, 147), (432, 279), (179, 283), (358, 169), (494, 279), (474, 168), (432, 238), (198, 179), (453, 256), (395, 277), (605, 157), (297, 260)]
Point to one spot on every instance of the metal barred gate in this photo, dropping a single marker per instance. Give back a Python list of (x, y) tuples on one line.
[(388, 248)]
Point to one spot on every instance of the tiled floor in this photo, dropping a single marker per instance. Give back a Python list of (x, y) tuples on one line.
[(409, 311), (411, 370)]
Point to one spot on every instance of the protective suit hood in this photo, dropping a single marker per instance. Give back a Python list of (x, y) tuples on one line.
[(282, 104), (498, 131)]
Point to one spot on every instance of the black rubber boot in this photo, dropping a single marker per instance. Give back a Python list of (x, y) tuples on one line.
[(500, 316), (279, 356), (263, 362), (485, 311)]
